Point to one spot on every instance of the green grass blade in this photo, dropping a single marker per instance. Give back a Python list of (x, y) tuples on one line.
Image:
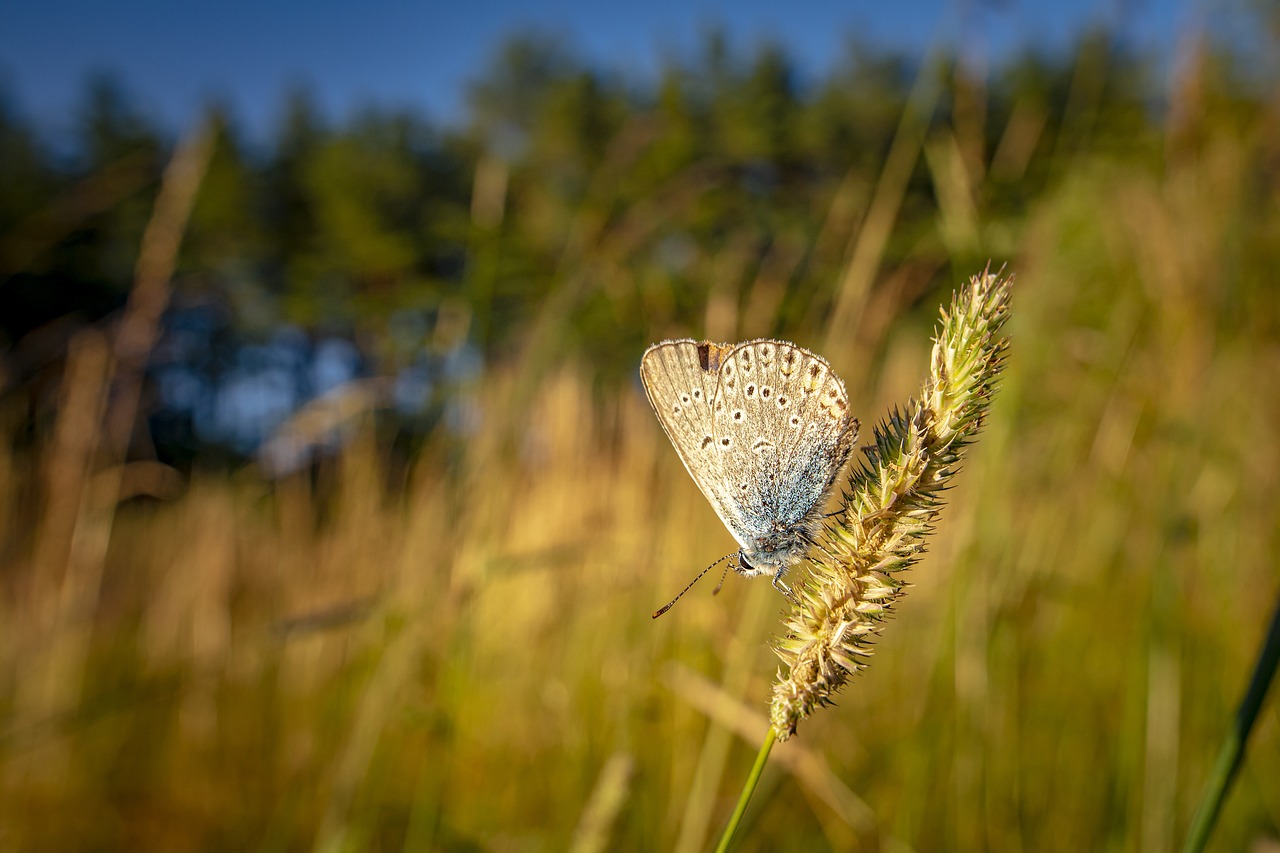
[(1232, 754), (747, 790)]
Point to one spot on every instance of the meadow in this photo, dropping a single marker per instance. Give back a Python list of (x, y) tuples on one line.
[(452, 649)]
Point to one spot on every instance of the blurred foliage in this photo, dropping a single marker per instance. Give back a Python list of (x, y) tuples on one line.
[(569, 192), (466, 661)]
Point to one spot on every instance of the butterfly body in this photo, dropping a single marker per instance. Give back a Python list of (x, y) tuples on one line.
[(763, 428)]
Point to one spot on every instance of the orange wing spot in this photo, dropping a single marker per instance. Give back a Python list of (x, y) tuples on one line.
[(711, 356)]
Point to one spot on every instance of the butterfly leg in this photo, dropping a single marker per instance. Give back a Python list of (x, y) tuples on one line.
[(782, 587)]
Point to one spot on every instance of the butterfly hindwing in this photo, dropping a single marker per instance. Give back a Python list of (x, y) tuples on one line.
[(787, 415)]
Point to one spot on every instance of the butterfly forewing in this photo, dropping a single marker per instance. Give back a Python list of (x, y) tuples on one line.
[(680, 379)]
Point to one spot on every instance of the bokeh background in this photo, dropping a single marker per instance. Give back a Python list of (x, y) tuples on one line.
[(332, 514)]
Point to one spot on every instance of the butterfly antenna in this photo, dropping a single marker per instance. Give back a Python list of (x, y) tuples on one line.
[(672, 602), (724, 575)]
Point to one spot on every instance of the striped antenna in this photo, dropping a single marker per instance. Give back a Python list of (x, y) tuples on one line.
[(672, 602)]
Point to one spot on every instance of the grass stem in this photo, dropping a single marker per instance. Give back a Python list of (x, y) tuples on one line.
[(747, 790)]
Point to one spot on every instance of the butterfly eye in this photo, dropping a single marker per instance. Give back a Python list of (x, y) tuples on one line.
[(765, 392)]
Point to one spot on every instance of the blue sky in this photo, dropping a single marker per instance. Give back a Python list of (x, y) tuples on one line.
[(173, 57)]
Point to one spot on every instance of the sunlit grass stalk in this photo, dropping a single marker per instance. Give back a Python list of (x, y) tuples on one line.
[(1231, 755), (889, 507)]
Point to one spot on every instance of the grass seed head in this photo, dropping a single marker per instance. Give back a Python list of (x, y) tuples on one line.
[(893, 496)]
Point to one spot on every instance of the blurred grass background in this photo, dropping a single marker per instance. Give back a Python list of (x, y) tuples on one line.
[(433, 632)]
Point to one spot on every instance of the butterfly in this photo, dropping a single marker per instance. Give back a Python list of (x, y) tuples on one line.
[(763, 428)]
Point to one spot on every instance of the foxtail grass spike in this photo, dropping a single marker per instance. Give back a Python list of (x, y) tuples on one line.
[(889, 506)]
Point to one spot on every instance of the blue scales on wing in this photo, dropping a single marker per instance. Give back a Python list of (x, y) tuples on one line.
[(787, 415)]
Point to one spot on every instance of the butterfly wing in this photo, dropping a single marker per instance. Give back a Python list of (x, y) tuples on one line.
[(787, 417), (680, 379)]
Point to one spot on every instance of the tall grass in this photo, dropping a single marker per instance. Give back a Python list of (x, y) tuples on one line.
[(466, 661)]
